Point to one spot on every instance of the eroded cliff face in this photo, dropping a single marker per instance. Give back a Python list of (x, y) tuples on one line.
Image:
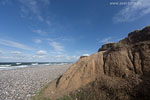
[(128, 58), (82, 72)]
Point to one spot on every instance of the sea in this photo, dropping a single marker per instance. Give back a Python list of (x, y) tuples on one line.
[(16, 65)]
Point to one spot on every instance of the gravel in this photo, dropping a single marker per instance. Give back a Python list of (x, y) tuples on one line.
[(21, 84)]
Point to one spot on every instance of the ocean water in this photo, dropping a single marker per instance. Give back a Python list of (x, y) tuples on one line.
[(16, 65)]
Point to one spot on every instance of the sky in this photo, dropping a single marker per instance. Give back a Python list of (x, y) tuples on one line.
[(64, 30)]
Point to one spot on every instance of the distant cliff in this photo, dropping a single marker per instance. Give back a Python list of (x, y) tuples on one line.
[(118, 71)]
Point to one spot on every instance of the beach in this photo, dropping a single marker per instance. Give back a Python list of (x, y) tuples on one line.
[(23, 83)]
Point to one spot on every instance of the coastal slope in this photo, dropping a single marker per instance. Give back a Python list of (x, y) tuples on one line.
[(119, 72)]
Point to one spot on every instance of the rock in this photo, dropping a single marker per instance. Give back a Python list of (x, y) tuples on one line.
[(106, 47), (83, 57), (126, 62)]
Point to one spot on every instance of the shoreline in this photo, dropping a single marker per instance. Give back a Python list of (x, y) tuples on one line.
[(23, 83), (18, 65)]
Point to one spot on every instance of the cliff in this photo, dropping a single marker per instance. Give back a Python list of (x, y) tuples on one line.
[(124, 67)]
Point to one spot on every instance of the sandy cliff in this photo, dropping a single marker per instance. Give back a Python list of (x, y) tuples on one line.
[(124, 62)]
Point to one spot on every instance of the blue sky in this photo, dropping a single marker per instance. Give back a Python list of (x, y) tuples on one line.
[(63, 30)]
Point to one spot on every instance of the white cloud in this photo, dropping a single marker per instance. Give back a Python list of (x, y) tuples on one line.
[(15, 58), (33, 8), (6, 57), (85, 54), (39, 58), (65, 58), (16, 52), (41, 52), (106, 40), (56, 46), (46, 2), (38, 41), (40, 18), (48, 22), (14, 44), (1, 52), (40, 32), (70, 58), (4, 2), (31, 5), (133, 11), (24, 12), (74, 58)]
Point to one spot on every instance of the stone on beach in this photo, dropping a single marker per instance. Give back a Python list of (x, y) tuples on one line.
[(21, 84)]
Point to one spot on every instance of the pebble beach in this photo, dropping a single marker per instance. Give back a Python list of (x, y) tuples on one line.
[(23, 83)]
